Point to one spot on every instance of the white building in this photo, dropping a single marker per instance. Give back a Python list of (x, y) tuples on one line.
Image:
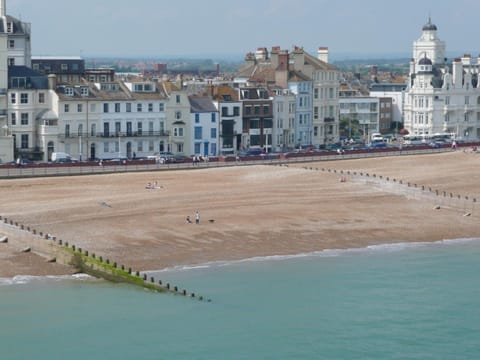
[(364, 111), (441, 97), (284, 104), (14, 50)]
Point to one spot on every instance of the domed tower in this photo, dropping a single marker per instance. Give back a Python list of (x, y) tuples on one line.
[(429, 45)]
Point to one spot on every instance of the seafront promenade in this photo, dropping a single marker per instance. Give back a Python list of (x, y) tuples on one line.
[(91, 168)]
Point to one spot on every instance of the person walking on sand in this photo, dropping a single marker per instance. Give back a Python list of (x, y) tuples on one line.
[(197, 217)]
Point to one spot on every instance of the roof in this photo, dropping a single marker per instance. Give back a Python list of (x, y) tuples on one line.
[(297, 76), (317, 63), (425, 61), (53, 57), (199, 104), (32, 79), (429, 26)]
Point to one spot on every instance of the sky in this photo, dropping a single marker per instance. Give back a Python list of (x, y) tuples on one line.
[(231, 28)]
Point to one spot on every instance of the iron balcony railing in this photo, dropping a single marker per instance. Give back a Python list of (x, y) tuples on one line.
[(122, 134)]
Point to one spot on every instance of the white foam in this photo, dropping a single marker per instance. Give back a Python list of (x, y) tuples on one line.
[(27, 279), (372, 249)]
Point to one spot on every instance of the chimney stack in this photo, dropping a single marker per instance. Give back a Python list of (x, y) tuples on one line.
[(323, 54), (52, 82)]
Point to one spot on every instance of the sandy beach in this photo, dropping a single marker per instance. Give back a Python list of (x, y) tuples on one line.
[(245, 211)]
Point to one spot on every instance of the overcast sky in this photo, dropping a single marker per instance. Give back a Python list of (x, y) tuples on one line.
[(160, 28)]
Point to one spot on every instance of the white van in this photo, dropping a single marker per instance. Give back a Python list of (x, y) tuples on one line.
[(60, 156), (376, 137)]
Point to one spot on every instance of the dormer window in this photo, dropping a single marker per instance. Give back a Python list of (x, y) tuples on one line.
[(9, 27), (84, 91), (69, 91)]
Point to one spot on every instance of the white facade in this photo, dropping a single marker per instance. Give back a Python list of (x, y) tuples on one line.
[(365, 111), (398, 98), (442, 98), (284, 105), (304, 112)]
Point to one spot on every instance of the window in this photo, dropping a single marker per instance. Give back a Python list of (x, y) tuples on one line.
[(139, 107), (315, 93), (67, 130), (9, 27), (178, 115), (69, 91), (66, 108), (139, 128), (150, 107), (150, 145), (177, 131), (140, 146), (213, 133), (236, 111), (197, 148), (177, 99), (24, 143), (198, 133), (79, 108), (11, 62), (105, 107), (84, 91), (118, 128), (161, 107), (64, 67), (80, 129), (224, 111), (23, 98), (150, 127), (257, 109), (93, 108), (93, 130), (13, 98), (248, 110), (197, 118), (214, 118), (41, 98), (13, 119), (129, 107), (117, 107), (11, 44), (105, 147), (24, 119), (266, 109)]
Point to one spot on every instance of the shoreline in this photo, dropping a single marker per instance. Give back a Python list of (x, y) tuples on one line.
[(255, 211), (325, 253)]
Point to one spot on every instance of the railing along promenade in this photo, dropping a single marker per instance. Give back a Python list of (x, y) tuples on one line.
[(92, 168)]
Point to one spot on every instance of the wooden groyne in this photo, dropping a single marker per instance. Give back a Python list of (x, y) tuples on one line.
[(442, 199), (62, 252)]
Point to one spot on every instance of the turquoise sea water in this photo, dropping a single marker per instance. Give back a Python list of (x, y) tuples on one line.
[(402, 301)]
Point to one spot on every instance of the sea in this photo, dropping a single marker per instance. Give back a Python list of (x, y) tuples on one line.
[(396, 301)]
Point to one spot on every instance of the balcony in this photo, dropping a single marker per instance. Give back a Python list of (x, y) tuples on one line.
[(127, 134)]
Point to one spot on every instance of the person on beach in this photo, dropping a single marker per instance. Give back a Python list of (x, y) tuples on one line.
[(188, 219), (197, 217)]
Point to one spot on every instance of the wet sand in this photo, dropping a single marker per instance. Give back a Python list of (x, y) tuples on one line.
[(245, 211)]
